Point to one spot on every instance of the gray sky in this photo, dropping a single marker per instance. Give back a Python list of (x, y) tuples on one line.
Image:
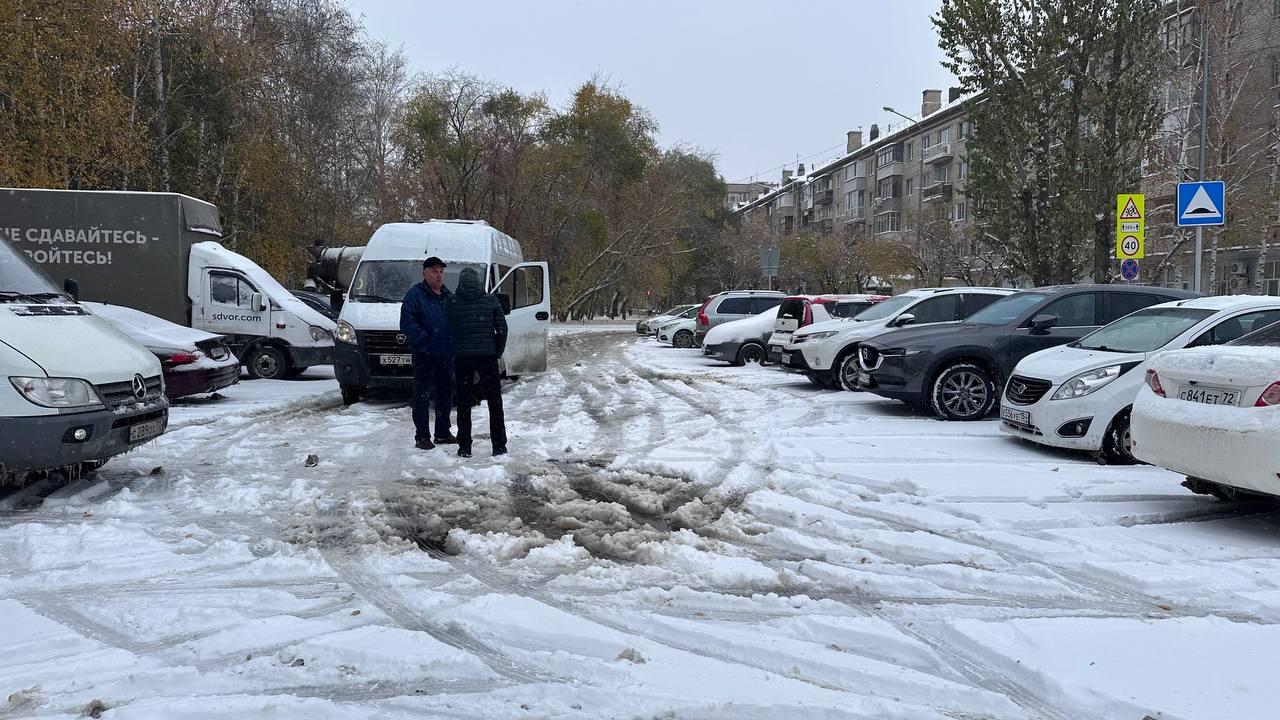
[(757, 83)]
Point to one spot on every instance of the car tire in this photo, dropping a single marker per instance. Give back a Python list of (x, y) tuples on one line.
[(683, 339), (752, 353), (846, 371), (351, 394), (816, 379), (266, 362), (963, 391), (1117, 445)]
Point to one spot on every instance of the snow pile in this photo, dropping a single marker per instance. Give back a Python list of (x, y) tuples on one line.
[(1254, 364), (758, 327), (1213, 419)]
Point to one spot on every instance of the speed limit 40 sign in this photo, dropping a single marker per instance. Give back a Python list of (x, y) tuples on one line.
[(1131, 224)]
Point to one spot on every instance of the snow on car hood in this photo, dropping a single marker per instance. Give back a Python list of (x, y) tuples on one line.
[(752, 328), (149, 330), (1242, 363), (1063, 363), (371, 316)]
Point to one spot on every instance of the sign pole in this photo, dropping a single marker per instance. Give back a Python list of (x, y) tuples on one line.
[(1195, 286), (1204, 101)]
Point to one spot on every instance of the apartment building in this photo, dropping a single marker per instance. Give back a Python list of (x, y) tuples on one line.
[(1242, 147), (741, 193)]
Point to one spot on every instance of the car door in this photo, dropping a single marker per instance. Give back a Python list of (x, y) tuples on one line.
[(1078, 315), (1235, 327), (526, 289), (942, 308), (730, 309), (235, 307)]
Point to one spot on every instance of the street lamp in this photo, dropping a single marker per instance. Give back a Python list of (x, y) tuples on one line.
[(920, 190)]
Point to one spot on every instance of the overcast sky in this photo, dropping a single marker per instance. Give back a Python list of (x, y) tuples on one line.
[(757, 83)]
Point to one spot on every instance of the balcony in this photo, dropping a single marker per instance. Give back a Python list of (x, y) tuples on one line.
[(855, 215), (940, 152), (883, 202), (893, 168), (823, 197), (937, 191), (858, 183)]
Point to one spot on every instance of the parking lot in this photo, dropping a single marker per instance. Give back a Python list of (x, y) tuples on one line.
[(670, 537)]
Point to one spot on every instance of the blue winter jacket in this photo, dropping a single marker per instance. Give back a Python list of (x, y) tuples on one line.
[(422, 320)]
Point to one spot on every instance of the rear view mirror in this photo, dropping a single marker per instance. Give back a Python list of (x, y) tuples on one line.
[(904, 319), (1042, 323), (505, 301), (255, 302), (72, 288)]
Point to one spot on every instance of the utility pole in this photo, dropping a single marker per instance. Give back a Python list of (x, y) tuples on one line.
[(1204, 102)]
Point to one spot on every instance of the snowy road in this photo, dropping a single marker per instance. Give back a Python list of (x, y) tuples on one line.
[(668, 539)]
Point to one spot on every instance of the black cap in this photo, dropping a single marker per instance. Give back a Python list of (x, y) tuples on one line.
[(433, 261)]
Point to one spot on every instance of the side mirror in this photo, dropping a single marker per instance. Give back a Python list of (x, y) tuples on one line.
[(1040, 324), (904, 319), (335, 301), (255, 302), (505, 301), (72, 288)]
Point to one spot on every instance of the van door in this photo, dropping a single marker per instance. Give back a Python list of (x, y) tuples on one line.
[(527, 289), (229, 309)]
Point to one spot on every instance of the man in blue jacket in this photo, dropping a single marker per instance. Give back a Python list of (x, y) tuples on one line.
[(426, 331)]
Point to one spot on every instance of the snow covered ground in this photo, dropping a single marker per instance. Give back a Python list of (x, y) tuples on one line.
[(669, 538)]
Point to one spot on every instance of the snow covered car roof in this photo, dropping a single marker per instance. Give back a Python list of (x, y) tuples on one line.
[(744, 329), (148, 330)]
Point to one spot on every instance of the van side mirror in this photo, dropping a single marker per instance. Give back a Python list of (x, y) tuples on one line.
[(1040, 324), (72, 288), (904, 319), (505, 301), (255, 302), (335, 301)]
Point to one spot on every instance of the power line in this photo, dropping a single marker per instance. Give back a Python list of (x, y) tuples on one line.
[(784, 165)]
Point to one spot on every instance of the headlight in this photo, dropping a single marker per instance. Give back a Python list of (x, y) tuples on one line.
[(319, 334), (900, 352), (345, 333), (56, 392), (1086, 383), (815, 336)]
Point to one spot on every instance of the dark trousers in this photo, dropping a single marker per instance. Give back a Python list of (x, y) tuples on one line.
[(486, 366), (432, 380)]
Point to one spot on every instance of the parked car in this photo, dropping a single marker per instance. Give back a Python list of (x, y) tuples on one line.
[(679, 333), (1213, 414), (1079, 396), (192, 361), (648, 325), (741, 341), (956, 370), (799, 311), (316, 301), (733, 305), (827, 353)]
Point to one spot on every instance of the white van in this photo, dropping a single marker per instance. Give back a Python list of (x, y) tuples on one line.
[(74, 391), (371, 351)]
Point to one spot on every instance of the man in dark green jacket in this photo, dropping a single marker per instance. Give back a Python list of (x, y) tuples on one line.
[(479, 336)]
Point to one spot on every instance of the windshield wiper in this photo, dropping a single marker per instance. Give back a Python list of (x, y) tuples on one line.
[(374, 298), (21, 296)]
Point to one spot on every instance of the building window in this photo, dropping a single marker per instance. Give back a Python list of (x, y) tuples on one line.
[(888, 222), (962, 171), (966, 129), (961, 212), (907, 189), (884, 188), (1271, 280), (926, 141), (942, 174), (1275, 66), (944, 136), (909, 152)]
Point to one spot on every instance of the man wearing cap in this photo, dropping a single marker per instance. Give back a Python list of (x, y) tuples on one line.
[(422, 320)]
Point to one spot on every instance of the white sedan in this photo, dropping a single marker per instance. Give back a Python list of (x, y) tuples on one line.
[(679, 333), (1213, 414)]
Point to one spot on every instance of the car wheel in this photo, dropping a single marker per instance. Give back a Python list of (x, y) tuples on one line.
[(266, 362), (847, 371), (815, 378), (683, 339), (963, 391), (751, 353), (1117, 444), (351, 394)]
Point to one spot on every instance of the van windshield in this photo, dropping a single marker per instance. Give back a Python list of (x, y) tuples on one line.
[(21, 280), (388, 281)]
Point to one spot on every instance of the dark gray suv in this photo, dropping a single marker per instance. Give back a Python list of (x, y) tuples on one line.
[(957, 370)]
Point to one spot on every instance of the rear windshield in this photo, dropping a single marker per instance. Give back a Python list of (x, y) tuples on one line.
[(1006, 310), (847, 309), (886, 309), (791, 309), (1266, 337), (1143, 331)]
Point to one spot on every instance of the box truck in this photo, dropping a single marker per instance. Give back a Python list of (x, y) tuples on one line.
[(159, 253), (74, 391)]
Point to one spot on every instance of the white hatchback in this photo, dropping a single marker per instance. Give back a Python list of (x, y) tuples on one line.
[(678, 333), (1078, 396), (1213, 414)]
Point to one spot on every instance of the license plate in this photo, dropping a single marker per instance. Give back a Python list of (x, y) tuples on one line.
[(146, 430), (1015, 416), (395, 359), (1209, 395), (786, 358)]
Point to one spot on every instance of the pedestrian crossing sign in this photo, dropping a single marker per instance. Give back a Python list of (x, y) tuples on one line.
[(1202, 203), (1131, 226)]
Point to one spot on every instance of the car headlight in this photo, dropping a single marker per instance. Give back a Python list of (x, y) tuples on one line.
[(345, 333), (815, 336), (56, 392), (319, 334), (1088, 382), (900, 352)]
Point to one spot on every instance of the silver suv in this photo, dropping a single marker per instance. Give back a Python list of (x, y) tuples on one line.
[(734, 305)]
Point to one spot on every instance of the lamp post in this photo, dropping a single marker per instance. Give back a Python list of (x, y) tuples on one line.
[(920, 190)]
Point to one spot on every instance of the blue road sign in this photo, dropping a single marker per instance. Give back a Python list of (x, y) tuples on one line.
[(1129, 269), (1202, 203)]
